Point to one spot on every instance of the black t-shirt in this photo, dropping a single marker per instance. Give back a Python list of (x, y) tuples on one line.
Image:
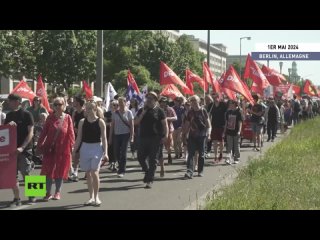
[(78, 117), (23, 119), (218, 114), (256, 108), (151, 125), (233, 119)]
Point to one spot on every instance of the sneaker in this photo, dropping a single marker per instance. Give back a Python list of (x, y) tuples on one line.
[(90, 202), (208, 155), (228, 161), (121, 175), (75, 178), (200, 174), (258, 149), (149, 185), (188, 175), (15, 203), (236, 162), (47, 197), (196, 168), (97, 203), (57, 196), (32, 200)]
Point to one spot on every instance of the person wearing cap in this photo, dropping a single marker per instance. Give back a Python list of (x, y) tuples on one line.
[(2, 115), (232, 130), (272, 116), (36, 109), (24, 122), (153, 131), (171, 117)]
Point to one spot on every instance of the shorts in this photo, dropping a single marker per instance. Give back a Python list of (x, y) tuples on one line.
[(90, 156), (24, 165), (216, 134), (256, 127)]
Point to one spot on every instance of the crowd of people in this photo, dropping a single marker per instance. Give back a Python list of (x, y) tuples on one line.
[(82, 134)]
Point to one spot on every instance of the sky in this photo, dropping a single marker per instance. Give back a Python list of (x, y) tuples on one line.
[(231, 39)]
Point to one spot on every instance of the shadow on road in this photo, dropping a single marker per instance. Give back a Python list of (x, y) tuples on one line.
[(67, 207)]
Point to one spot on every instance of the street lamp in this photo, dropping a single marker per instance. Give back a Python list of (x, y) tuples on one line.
[(289, 71), (281, 65), (248, 38)]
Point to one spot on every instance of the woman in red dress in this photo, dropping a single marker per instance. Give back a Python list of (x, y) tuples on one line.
[(55, 143)]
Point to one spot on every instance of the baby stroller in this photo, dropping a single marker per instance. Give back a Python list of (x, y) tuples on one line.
[(246, 132)]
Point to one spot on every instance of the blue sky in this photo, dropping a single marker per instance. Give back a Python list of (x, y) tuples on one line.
[(230, 38)]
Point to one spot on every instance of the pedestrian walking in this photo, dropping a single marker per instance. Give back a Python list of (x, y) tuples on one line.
[(272, 116), (93, 149), (55, 143)]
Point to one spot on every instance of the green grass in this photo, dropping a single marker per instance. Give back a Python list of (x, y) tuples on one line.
[(287, 176)]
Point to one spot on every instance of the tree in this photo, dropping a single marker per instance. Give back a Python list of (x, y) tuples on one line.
[(66, 56)]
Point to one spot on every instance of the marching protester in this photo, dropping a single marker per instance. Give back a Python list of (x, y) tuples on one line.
[(208, 107), (2, 115), (92, 141), (257, 122), (153, 131), (36, 109), (55, 143), (197, 127), (70, 106), (296, 109), (177, 125), (77, 115), (23, 120), (272, 117), (134, 108), (232, 130), (122, 127), (114, 106), (170, 117), (187, 107), (218, 113)]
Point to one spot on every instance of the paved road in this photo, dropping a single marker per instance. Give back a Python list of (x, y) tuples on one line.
[(170, 192)]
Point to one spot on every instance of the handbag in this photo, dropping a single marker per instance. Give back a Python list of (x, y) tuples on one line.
[(46, 148)]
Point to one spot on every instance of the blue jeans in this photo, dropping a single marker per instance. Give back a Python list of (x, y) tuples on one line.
[(196, 144), (120, 144)]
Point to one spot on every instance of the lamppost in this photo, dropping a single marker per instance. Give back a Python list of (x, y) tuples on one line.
[(289, 71), (98, 88), (281, 65), (248, 38)]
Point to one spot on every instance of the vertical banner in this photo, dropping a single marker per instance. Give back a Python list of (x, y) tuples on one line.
[(8, 156)]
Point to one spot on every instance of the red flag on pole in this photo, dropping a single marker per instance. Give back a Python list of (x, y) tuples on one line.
[(171, 91), (42, 93), (189, 82), (253, 71), (310, 89), (167, 76), (190, 76), (233, 82), (296, 90), (132, 81), (23, 90), (229, 93), (87, 90), (274, 77), (208, 77)]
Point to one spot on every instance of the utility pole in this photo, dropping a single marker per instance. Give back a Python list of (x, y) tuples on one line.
[(98, 88)]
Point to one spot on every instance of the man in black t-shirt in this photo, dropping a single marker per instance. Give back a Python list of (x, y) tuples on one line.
[(24, 122), (153, 131), (232, 130)]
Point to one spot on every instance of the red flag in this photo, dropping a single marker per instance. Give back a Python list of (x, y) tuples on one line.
[(309, 89), (189, 82), (23, 90), (167, 76), (296, 90), (208, 77), (274, 78), (253, 71), (87, 90), (41, 92), (229, 93), (233, 82), (283, 89), (190, 76), (132, 81), (171, 91)]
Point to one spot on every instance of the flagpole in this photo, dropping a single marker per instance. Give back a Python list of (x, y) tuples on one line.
[(208, 62)]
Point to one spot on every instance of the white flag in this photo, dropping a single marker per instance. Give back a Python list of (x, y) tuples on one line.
[(290, 93), (109, 94)]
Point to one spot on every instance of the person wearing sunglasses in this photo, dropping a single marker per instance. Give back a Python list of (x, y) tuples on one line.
[(55, 143)]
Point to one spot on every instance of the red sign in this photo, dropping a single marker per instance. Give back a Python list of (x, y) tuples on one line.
[(8, 156)]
